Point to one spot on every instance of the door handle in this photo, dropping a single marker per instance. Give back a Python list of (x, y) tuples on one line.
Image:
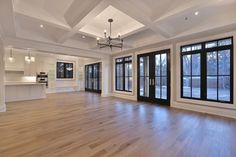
[(151, 82)]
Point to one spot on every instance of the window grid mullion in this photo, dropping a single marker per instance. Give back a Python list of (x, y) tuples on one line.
[(203, 74)]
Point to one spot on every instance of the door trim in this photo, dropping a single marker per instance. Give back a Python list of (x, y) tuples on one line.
[(98, 78), (153, 99)]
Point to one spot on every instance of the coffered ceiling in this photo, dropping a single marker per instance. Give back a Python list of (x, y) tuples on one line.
[(77, 23)]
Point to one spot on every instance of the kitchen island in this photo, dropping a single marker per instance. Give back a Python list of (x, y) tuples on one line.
[(20, 91)]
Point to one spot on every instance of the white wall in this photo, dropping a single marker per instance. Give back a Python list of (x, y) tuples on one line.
[(222, 109), (106, 76), (2, 87), (47, 63)]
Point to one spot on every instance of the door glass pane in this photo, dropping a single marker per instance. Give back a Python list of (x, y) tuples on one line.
[(164, 88), (90, 77), (157, 87), (212, 87), (196, 84), (187, 86), (141, 86), (100, 77), (144, 86), (158, 65), (95, 79), (187, 64), (212, 63), (163, 64), (224, 88), (144, 76), (224, 62)]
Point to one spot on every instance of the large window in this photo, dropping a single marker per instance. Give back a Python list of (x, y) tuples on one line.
[(124, 74), (64, 70), (207, 71)]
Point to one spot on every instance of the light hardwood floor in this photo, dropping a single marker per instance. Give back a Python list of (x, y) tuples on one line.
[(86, 125)]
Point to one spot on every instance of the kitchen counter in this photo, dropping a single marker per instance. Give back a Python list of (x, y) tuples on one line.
[(23, 83), (20, 91)]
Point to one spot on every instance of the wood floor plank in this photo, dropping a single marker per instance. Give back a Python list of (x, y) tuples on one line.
[(83, 124)]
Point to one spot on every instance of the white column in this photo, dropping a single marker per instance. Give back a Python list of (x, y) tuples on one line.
[(106, 76), (2, 73)]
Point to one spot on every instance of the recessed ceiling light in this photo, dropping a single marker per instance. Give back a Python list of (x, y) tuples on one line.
[(41, 26), (83, 37), (196, 13)]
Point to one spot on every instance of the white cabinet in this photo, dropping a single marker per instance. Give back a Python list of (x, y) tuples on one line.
[(24, 91)]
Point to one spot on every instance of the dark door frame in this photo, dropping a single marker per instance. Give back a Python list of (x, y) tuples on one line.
[(98, 90), (151, 97)]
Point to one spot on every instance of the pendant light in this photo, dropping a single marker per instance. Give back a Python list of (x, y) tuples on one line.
[(29, 58), (11, 58)]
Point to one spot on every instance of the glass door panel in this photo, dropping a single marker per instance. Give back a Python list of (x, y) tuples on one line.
[(161, 76), (154, 77), (93, 78), (144, 76)]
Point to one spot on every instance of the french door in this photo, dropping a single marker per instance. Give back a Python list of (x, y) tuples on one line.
[(93, 78), (154, 77)]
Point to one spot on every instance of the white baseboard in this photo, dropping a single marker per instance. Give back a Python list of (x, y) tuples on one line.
[(106, 95), (230, 113), (62, 90), (3, 108), (125, 96)]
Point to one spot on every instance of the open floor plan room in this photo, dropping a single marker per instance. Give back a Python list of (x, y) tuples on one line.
[(84, 124), (117, 78)]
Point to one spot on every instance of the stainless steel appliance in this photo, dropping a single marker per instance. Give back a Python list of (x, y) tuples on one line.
[(42, 77)]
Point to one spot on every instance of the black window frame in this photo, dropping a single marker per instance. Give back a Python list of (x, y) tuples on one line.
[(122, 61), (203, 73), (64, 72)]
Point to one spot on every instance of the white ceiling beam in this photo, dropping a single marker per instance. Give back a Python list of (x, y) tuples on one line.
[(52, 48), (78, 18), (7, 17), (138, 14)]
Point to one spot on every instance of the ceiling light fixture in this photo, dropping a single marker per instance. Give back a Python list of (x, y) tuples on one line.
[(41, 26), (11, 58), (109, 41), (196, 13), (29, 58)]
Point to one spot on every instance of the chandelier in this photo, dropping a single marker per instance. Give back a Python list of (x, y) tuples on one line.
[(109, 41)]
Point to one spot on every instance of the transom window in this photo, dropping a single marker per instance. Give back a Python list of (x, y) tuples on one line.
[(124, 74), (207, 71)]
